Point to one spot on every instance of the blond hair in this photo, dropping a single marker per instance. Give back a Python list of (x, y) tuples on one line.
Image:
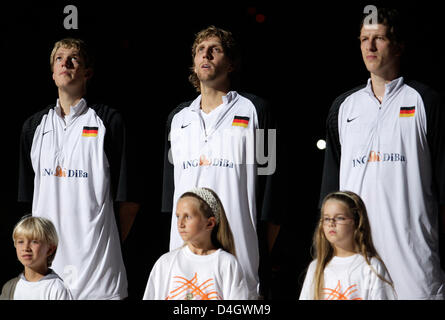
[(37, 228), (229, 46), (222, 236), (72, 43), (324, 251)]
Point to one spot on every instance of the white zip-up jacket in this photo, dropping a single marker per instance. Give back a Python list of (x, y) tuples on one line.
[(393, 155)]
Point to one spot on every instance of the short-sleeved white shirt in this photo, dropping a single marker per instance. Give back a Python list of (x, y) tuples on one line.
[(350, 278), (183, 275), (50, 287)]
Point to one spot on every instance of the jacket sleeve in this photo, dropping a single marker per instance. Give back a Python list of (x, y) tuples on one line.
[(267, 191), (168, 179), (115, 148), (435, 112), (435, 133), (168, 183), (26, 172), (331, 169)]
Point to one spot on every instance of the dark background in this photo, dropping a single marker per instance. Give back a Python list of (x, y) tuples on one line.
[(299, 58)]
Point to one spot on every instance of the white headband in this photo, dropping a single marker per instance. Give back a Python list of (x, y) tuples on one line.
[(210, 199)]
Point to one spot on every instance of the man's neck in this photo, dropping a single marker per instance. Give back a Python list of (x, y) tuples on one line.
[(378, 83), (67, 100), (212, 97)]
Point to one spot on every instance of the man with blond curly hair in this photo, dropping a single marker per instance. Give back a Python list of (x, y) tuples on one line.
[(210, 142)]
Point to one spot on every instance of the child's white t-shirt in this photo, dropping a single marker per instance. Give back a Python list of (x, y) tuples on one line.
[(182, 275), (350, 278), (50, 287)]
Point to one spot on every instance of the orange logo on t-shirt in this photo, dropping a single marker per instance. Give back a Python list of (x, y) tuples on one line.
[(190, 290), (203, 161), (336, 294)]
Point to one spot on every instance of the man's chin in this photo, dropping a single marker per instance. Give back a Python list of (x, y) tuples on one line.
[(70, 87)]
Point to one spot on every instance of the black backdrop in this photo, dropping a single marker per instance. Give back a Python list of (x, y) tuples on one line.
[(300, 58)]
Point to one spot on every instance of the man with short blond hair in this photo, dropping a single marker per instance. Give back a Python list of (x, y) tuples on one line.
[(72, 168)]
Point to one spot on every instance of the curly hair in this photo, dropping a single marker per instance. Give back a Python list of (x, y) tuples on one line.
[(230, 48)]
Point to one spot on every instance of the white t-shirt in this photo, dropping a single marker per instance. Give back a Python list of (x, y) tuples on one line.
[(182, 275), (50, 287), (350, 278)]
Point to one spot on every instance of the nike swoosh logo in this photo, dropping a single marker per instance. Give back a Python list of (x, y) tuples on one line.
[(349, 120), (184, 126), (46, 132)]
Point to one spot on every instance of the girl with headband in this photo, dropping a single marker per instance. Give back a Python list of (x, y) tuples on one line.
[(205, 267)]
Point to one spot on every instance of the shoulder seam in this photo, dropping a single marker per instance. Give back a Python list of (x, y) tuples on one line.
[(175, 111), (335, 107)]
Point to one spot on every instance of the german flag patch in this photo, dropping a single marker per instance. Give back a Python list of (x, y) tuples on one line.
[(240, 121), (90, 131), (407, 111)]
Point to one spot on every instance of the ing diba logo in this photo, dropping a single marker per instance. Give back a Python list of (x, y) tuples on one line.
[(203, 161), (64, 173), (377, 156)]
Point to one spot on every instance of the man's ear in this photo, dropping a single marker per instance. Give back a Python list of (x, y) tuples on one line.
[(231, 68), (400, 49), (89, 73)]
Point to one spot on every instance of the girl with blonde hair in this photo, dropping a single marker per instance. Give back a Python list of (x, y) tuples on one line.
[(346, 265), (205, 267)]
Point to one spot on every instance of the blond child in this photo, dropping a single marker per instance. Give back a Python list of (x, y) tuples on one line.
[(205, 267), (346, 265), (35, 240)]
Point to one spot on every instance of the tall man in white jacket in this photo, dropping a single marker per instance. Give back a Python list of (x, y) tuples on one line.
[(72, 168), (210, 142), (386, 142)]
